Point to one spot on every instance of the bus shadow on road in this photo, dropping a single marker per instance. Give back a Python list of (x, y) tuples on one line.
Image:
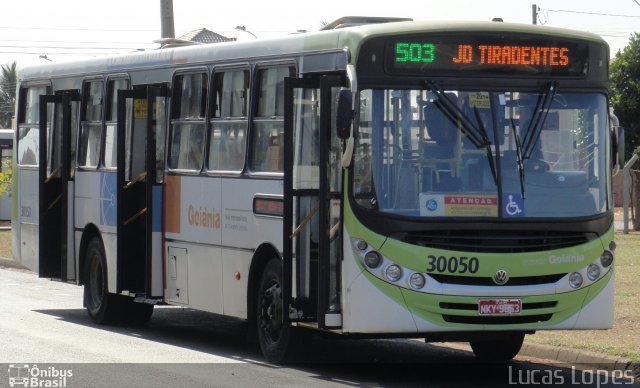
[(345, 361)]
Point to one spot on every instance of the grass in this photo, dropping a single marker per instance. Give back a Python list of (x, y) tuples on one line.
[(5, 244), (624, 338)]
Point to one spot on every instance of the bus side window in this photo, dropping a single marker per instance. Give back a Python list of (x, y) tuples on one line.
[(267, 153), (91, 124), (28, 125), (227, 140), (188, 122)]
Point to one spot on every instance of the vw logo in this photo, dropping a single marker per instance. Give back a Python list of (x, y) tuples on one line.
[(501, 277)]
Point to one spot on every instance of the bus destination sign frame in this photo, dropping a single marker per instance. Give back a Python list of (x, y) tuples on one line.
[(486, 55)]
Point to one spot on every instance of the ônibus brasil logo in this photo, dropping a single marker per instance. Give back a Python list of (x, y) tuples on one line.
[(24, 375)]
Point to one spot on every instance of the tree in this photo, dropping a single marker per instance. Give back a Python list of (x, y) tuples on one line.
[(625, 92), (8, 80), (6, 177)]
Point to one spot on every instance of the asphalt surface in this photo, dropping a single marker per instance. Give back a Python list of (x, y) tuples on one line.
[(43, 326)]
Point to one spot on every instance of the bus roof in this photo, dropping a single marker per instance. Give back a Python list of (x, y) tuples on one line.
[(338, 39)]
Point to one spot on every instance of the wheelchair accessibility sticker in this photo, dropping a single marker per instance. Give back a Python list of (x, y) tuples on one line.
[(513, 205)]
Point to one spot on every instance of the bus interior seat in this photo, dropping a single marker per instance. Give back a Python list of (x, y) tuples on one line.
[(275, 154), (438, 156), (441, 130)]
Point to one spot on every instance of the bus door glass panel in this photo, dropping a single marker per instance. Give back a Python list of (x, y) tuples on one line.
[(156, 134), (91, 124), (27, 156), (334, 189), (131, 177), (306, 177)]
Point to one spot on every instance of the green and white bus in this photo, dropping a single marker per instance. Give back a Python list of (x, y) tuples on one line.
[(447, 181)]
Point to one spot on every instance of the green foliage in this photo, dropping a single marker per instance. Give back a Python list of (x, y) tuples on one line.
[(6, 177), (8, 80), (625, 92)]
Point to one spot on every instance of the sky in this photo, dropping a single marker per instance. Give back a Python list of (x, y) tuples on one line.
[(36, 31)]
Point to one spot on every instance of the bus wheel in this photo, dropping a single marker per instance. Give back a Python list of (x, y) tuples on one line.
[(274, 334), (103, 307), (499, 350)]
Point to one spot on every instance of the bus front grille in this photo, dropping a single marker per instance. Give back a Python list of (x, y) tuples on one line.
[(502, 320), (487, 281), (493, 241)]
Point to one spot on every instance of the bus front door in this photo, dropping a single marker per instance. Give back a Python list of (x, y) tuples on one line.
[(312, 185), (140, 138), (55, 234)]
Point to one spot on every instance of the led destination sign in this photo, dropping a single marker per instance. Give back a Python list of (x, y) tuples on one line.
[(541, 57)]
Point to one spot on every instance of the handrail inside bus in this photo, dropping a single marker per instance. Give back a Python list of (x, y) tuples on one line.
[(139, 178), (53, 174)]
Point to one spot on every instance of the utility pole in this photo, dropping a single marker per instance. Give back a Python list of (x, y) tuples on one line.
[(167, 29), (534, 13)]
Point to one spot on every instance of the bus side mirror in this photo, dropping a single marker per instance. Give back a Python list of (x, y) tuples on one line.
[(344, 115)]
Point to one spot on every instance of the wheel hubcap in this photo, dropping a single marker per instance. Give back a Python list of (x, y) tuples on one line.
[(271, 312)]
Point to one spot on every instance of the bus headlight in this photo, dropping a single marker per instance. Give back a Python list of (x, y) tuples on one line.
[(393, 273), (417, 281), (361, 245), (372, 259), (593, 272), (606, 258), (575, 280)]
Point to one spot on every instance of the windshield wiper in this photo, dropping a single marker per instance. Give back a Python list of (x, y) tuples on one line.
[(477, 135), (487, 144), (537, 120), (518, 156), (455, 115)]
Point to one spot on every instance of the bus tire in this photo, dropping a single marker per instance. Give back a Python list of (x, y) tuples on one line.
[(274, 334), (498, 350), (103, 307)]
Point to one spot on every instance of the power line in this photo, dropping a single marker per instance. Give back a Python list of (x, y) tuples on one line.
[(52, 52), (76, 29), (75, 41), (593, 13), (68, 48)]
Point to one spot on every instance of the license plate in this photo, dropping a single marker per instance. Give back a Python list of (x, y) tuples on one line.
[(499, 306)]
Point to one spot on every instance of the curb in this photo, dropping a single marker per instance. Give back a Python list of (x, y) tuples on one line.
[(565, 357), (580, 357), (9, 263)]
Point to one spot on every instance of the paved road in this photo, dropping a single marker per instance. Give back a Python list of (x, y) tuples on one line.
[(43, 324)]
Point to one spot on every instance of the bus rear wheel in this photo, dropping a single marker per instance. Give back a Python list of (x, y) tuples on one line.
[(274, 333), (498, 350), (103, 307)]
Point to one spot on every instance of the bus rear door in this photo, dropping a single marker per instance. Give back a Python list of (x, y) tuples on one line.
[(141, 128), (55, 235)]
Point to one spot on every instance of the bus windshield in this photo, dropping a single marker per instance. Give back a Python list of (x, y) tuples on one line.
[(463, 153)]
